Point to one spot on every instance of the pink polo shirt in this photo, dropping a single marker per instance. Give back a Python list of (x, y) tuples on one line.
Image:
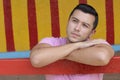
[(61, 41)]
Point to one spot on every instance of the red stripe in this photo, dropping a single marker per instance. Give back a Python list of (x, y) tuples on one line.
[(83, 1), (55, 18), (8, 25), (110, 21), (24, 67), (32, 23)]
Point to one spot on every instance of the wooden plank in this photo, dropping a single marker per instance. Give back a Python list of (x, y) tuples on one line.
[(24, 67)]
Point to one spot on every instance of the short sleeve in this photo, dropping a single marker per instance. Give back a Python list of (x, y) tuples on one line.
[(47, 41)]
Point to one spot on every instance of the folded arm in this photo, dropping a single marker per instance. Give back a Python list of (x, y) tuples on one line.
[(97, 55), (89, 52), (43, 54)]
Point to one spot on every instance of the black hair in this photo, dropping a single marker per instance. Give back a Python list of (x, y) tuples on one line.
[(87, 9)]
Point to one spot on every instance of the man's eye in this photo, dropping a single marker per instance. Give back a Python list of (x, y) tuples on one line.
[(74, 20), (85, 25)]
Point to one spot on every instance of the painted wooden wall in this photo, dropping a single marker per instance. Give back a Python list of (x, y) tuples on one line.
[(23, 23)]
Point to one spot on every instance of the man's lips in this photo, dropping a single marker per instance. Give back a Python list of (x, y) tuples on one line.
[(75, 34)]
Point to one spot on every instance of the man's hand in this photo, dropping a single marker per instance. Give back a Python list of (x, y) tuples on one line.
[(89, 43)]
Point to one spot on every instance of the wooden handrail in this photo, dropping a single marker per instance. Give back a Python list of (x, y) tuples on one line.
[(24, 67)]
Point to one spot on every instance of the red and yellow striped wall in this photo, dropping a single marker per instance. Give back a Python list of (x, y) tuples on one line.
[(25, 22)]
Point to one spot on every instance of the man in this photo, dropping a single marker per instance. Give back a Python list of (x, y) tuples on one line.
[(77, 46)]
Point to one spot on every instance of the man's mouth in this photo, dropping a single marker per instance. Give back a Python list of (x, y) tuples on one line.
[(75, 35)]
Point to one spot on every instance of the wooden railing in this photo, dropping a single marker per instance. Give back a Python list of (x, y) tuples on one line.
[(18, 63)]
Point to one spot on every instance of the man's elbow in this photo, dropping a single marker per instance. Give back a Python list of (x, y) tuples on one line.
[(104, 61), (105, 57), (35, 61)]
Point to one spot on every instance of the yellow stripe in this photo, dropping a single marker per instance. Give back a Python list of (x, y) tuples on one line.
[(65, 8), (116, 5), (43, 18), (20, 24), (2, 29), (99, 5)]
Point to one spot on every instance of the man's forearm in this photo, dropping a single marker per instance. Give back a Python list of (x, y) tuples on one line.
[(92, 56), (44, 56)]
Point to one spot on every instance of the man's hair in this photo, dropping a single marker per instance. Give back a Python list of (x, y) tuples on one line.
[(87, 9)]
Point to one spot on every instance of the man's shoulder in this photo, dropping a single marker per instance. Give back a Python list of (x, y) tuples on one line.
[(54, 41)]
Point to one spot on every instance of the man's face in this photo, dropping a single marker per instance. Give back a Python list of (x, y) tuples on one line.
[(80, 26)]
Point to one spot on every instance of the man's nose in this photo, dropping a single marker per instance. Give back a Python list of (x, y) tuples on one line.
[(78, 27)]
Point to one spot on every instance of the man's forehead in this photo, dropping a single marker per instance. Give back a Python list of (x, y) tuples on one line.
[(83, 19)]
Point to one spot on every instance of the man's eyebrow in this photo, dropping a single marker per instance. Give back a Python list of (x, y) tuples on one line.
[(74, 18), (87, 23)]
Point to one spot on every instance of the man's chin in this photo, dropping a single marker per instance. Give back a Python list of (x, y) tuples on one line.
[(71, 41), (74, 41)]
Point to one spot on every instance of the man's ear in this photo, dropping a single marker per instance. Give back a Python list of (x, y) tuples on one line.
[(92, 33)]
